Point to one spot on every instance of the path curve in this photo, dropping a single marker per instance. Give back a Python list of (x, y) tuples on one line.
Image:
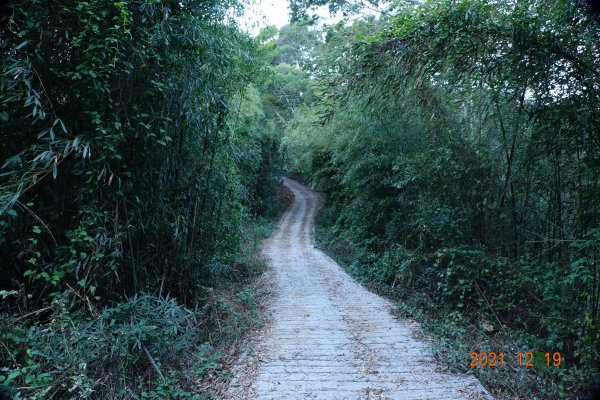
[(329, 337)]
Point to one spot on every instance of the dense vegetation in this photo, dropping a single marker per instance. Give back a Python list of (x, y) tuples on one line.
[(458, 145), (131, 170)]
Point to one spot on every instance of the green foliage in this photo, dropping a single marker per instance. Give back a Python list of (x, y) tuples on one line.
[(131, 161), (108, 353), (118, 144), (302, 9), (457, 144), (79, 356)]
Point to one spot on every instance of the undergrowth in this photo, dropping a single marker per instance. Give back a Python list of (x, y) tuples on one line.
[(147, 346), (460, 318)]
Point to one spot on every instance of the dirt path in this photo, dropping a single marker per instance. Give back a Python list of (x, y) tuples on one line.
[(329, 337)]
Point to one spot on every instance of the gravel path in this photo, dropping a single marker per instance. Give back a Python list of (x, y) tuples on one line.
[(329, 337)]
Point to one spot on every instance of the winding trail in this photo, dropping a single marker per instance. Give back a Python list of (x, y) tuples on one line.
[(329, 337)]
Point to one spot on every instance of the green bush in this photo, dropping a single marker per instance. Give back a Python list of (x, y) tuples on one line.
[(74, 355)]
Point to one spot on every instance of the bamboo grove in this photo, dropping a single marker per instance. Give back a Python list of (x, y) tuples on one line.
[(458, 144), (128, 173)]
